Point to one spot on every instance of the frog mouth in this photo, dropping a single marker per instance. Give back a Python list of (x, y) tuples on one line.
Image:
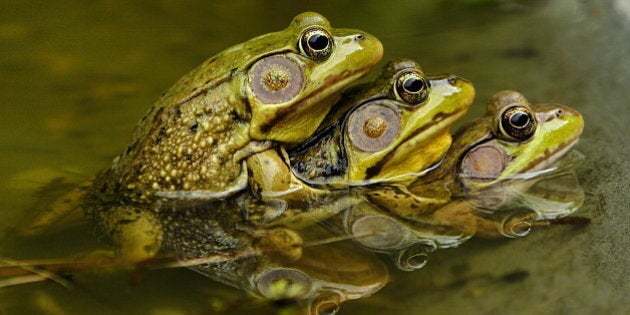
[(552, 161)]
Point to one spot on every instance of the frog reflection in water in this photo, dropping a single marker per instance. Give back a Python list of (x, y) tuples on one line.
[(192, 145), (276, 267), (493, 160), (373, 136)]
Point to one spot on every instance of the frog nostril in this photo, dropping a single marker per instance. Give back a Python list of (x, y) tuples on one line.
[(359, 37), (559, 113)]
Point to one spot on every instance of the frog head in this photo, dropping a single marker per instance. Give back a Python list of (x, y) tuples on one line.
[(515, 139), (294, 76)]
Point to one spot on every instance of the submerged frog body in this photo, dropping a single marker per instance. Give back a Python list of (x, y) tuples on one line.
[(192, 145), (496, 159), (213, 242)]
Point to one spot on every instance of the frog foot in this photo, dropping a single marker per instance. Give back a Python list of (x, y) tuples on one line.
[(284, 244), (136, 233)]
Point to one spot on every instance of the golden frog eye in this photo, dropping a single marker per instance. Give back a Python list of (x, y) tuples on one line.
[(373, 127), (518, 123), (316, 43), (411, 87), (276, 79)]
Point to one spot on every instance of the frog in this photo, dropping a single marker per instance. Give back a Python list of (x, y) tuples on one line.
[(193, 144), (494, 159), (380, 128), (372, 136)]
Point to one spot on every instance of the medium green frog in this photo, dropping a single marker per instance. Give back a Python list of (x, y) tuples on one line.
[(389, 130), (373, 135), (193, 143), (513, 147)]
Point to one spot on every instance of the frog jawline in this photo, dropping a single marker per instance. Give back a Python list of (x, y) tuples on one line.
[(549, 165)]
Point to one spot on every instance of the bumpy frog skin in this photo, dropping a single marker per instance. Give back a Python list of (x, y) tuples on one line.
[(193, 143), (197, 134), (511, 147), (389, 130)]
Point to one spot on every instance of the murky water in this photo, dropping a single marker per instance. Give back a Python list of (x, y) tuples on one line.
[(76, 77)]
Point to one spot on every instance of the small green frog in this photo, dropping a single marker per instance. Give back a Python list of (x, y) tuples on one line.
[(493, 160), (193, 143)]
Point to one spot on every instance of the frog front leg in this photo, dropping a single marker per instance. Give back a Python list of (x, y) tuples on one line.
[(280, 198), (136, 233)]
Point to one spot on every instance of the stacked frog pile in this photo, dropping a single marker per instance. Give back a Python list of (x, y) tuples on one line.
[(254, 168)]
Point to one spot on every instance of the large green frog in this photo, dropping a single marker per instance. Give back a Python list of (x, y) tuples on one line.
[(373, 135), (274, 88), (193, 143), (514, 147)]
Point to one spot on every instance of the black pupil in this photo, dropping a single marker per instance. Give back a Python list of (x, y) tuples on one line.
[(318, 41), (413, 85), (519, 119)]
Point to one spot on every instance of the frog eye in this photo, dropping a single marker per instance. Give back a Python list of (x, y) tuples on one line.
[(276, 79), (517, 123), (283, 283), (316, 43), (373, 127), (411, 87)]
